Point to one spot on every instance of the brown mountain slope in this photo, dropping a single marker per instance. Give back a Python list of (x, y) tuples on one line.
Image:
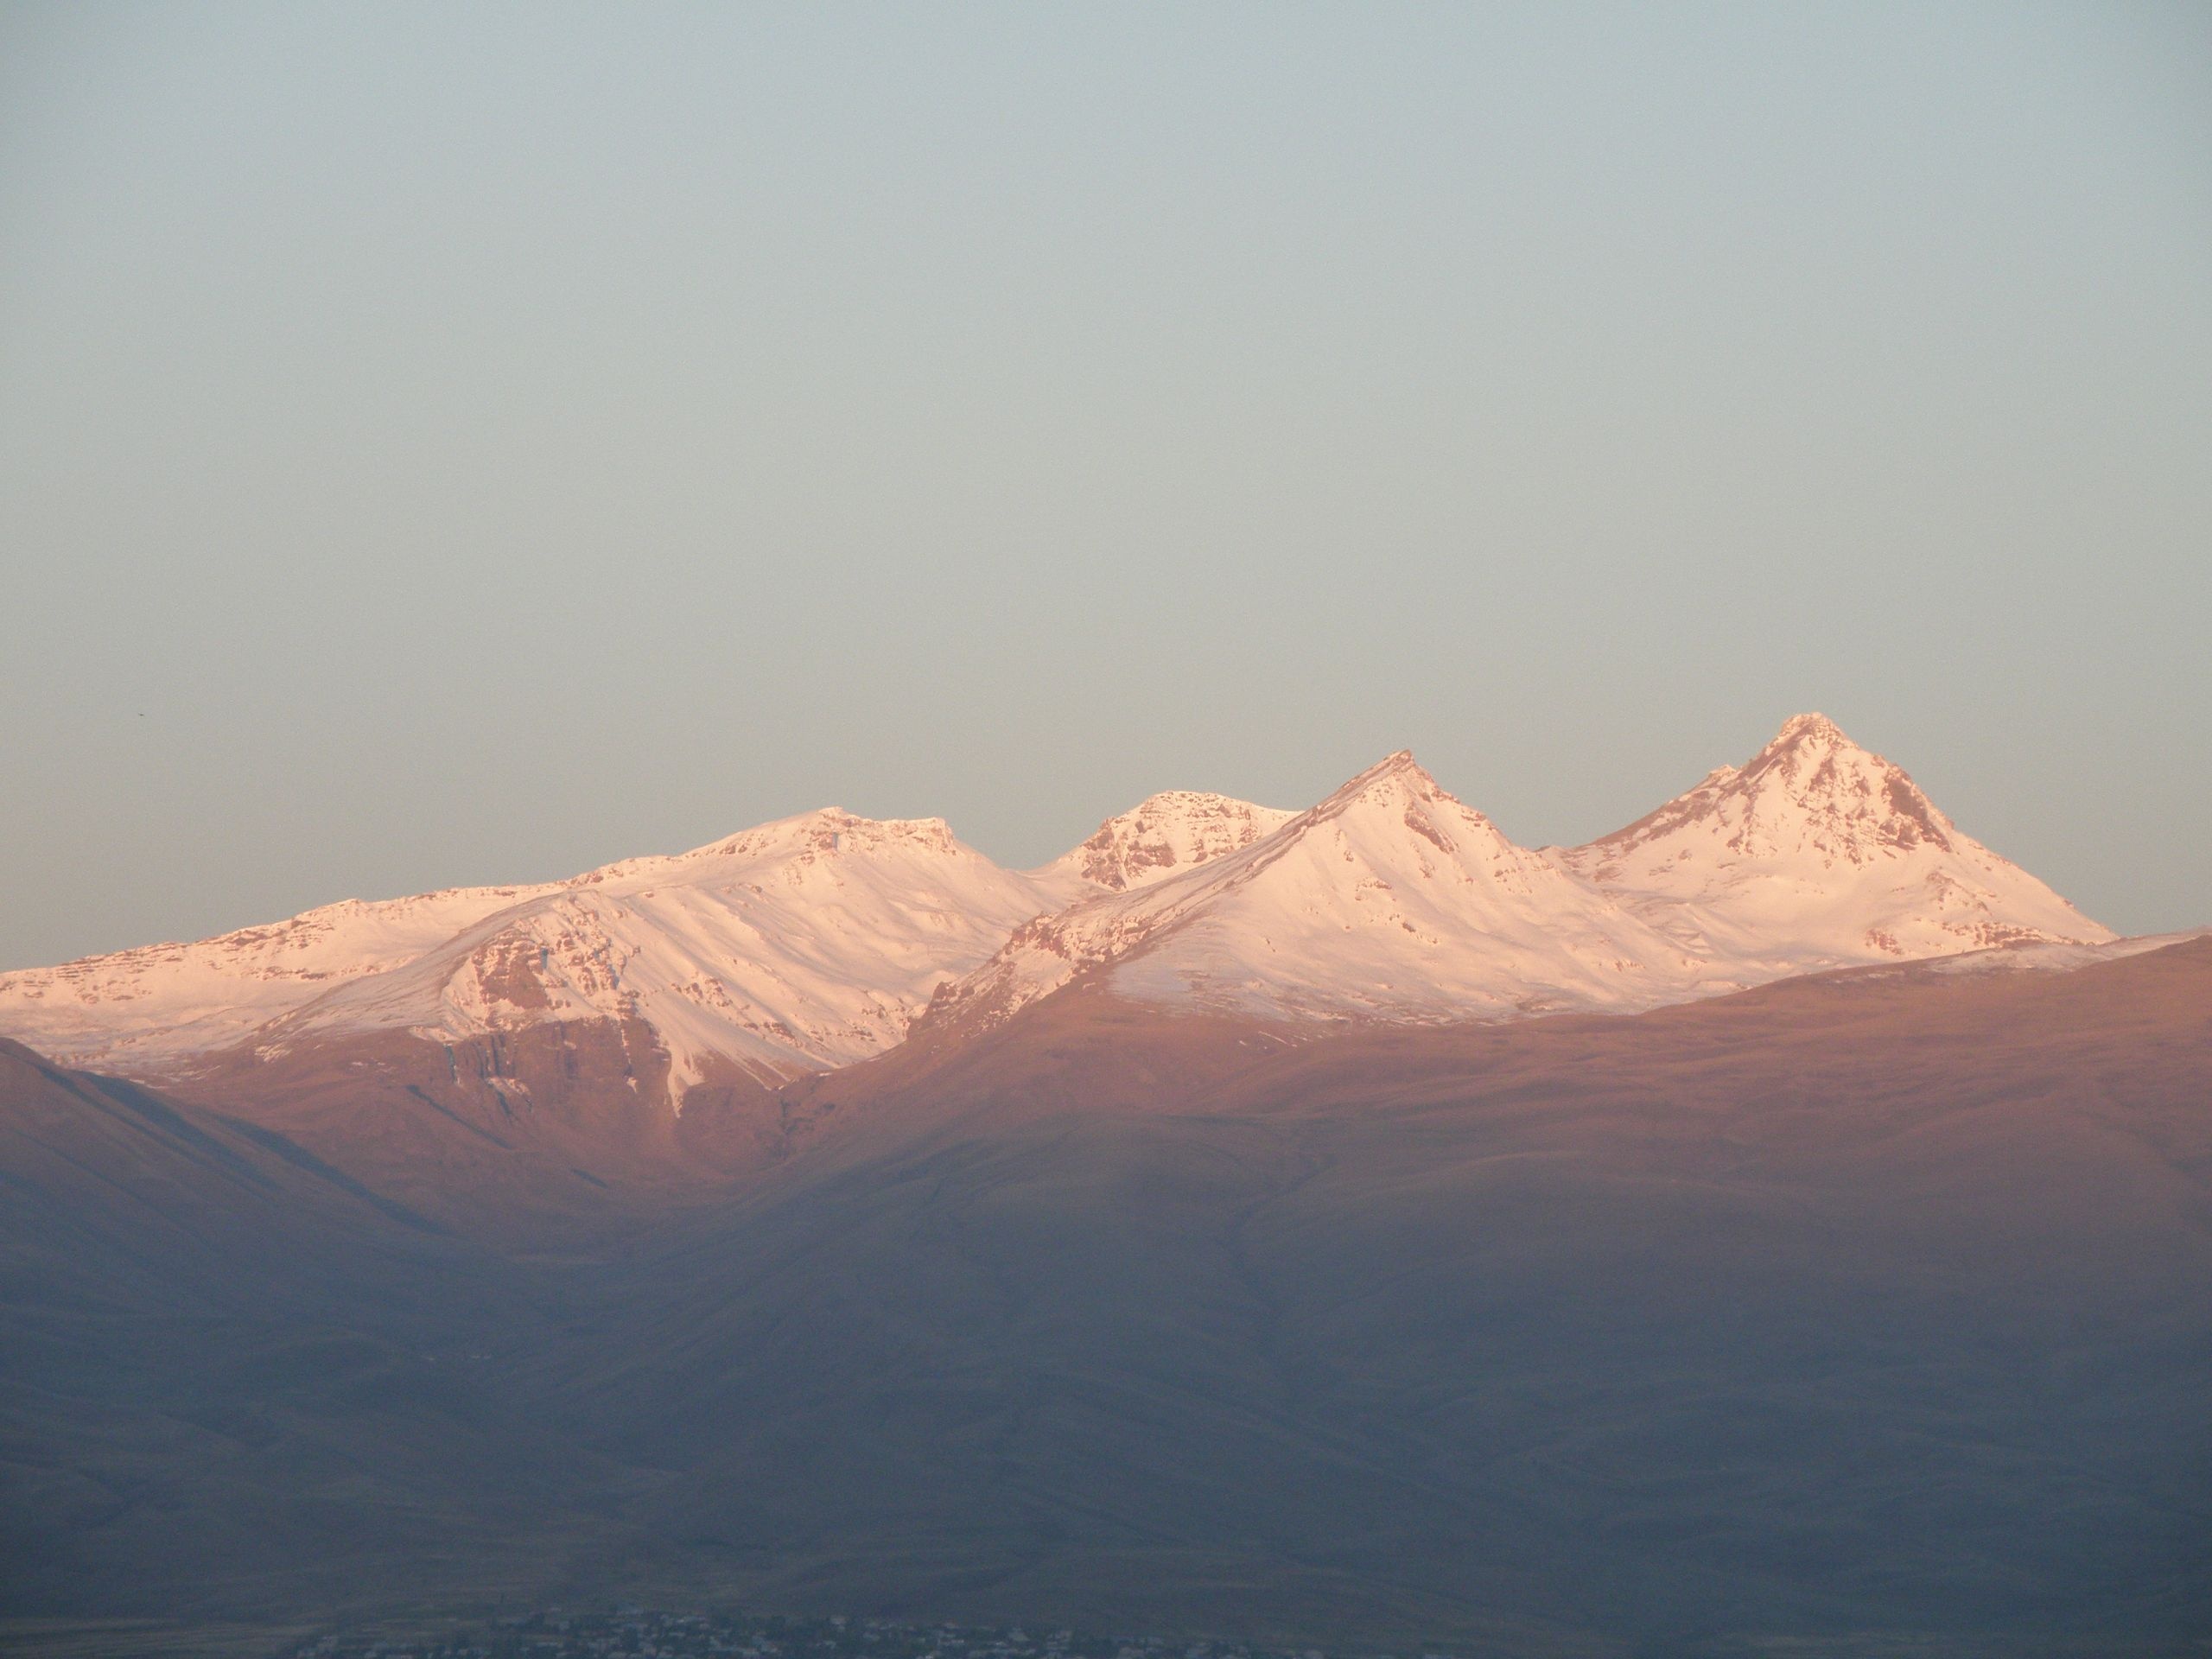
[(1875, 1304), (231, 1370), (560, 1132), (1872, 1309)]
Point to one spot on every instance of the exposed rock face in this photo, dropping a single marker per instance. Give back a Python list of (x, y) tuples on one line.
[(1165, 834), (1818, 853)]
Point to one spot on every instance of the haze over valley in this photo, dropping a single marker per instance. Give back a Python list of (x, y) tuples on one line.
[(1341, 1224)]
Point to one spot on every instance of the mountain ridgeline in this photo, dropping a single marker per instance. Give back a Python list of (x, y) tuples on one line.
[(1780, 1225), (804, 946)]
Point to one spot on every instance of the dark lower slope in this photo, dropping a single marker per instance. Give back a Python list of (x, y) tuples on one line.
[(230, 1372), (553, 1135), (1875, 1309), (1877, 1304)]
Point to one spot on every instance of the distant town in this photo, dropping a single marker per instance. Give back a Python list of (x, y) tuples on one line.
[(557, 1633)]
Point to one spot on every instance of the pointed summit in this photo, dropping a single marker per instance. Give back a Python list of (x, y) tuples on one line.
[(1398, 763), (1818, 853), (816, 940), (1395, 771), (1813, 786), (1811, 725), (1396, 795), (1389, 900)]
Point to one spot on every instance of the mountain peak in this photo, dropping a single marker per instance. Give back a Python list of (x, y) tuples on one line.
[(1388, 899), (1397, 763), (813, 940), (1811, 791), (1400, 789), (1165, 833), (1398, 768), (1799, 728), (1854, 802), (1820, 852), (829, 829)]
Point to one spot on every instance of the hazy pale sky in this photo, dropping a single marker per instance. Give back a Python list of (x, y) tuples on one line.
[(450, 445)]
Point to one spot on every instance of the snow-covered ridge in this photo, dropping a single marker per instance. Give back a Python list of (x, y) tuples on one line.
[(800, 945), (145, 1007), (808, 838), (1819, 853), (1394, 901), (2050, 956), (817, 940), (1390, 899)]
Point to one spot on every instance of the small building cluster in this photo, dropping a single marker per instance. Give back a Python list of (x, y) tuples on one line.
[(643, 1633)]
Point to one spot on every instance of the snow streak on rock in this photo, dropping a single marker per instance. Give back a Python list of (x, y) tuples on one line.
[(800, 945), (1167, 833), (1818, 853)]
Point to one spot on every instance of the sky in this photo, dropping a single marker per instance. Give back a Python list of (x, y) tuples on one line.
[(443, 446)]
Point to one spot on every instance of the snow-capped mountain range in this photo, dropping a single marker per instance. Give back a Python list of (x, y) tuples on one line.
[(817, 941)]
